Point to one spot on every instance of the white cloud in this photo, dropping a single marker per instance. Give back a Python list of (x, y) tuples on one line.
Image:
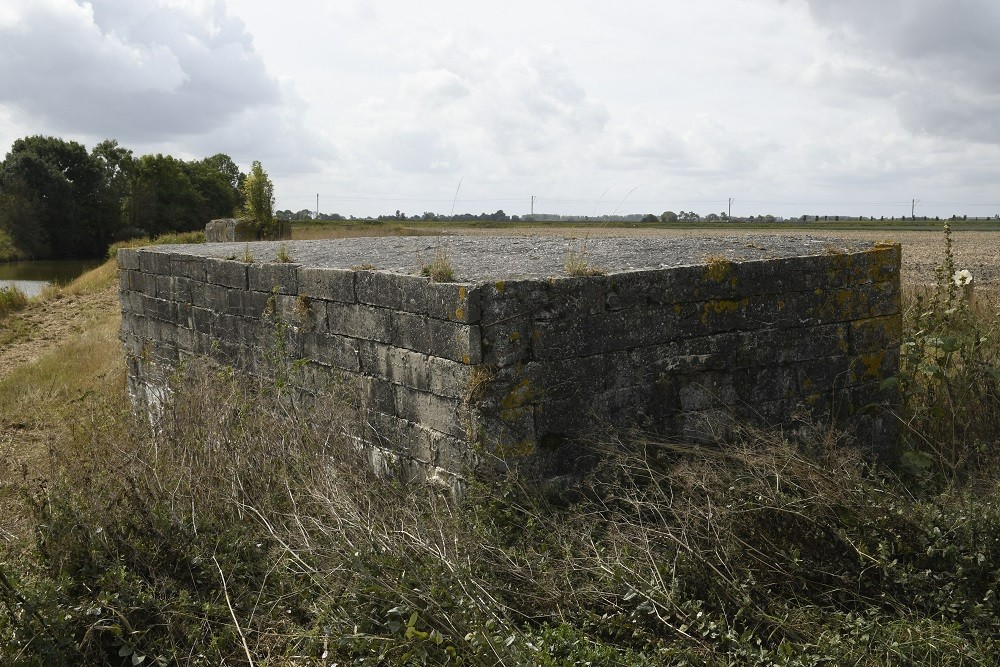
[(142, 70), (938, 62), (772, 101)]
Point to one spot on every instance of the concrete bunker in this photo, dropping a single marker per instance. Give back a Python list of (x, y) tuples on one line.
[(516, 357)]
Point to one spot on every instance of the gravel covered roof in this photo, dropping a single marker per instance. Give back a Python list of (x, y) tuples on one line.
[(483, 258)]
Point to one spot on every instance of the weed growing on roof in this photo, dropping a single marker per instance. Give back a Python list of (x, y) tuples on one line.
[(439, 269), (578, 261)]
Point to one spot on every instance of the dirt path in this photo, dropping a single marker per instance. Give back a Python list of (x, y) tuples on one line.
[(27, 336)]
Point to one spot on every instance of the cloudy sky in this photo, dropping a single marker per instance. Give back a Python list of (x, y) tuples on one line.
[(788, 106)]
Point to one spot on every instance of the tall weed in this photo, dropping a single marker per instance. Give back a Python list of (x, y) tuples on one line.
[(950, 373)]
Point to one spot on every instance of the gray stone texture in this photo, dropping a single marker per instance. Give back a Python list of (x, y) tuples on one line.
[(515, 358), (237, 229)]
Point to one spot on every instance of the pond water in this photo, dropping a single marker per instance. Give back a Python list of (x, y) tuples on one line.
[(32, 277)]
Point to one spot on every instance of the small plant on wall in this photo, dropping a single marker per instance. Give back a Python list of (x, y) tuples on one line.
[(578, 261), (439, 269)]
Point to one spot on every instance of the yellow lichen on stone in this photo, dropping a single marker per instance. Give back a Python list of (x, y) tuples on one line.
[(722, 306), (839, 305), (873, 363), (518, 401), (717, 268), (514, 337), (459, 313), (500, 286), (883, 257)]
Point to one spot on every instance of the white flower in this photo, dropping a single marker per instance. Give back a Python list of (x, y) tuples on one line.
[(962, 278)]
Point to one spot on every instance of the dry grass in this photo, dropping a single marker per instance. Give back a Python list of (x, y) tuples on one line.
[(12, 300), (578, 260)]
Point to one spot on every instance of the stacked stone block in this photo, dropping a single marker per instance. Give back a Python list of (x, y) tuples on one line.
[(447, 375), (237, 229)]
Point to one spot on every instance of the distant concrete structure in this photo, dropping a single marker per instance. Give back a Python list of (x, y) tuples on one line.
[(679, 336), (236, 229)]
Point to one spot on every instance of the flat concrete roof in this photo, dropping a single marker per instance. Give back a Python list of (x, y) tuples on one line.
[(484, 258)]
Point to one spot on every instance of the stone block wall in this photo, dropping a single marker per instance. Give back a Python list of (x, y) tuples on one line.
[(680, 337), (236, 229)]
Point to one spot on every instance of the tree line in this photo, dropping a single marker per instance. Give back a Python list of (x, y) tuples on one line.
[(59, 200)]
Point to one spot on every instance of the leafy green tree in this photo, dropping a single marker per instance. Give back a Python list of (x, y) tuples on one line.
[(170, 195), (21, 214), (58, 200), (668, 216), (115, 164), (224, 164), (258, 200), (217, 180), (162, 197), (61, 184)]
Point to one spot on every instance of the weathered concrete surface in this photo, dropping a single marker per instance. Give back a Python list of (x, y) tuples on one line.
[(236, 229), (679, 336)]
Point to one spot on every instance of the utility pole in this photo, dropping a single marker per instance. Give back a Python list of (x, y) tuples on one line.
[(731, 200), (532, 205), (913, 208), (317, 206)]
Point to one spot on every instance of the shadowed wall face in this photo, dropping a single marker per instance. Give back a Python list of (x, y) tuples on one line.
[(680, 338)]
